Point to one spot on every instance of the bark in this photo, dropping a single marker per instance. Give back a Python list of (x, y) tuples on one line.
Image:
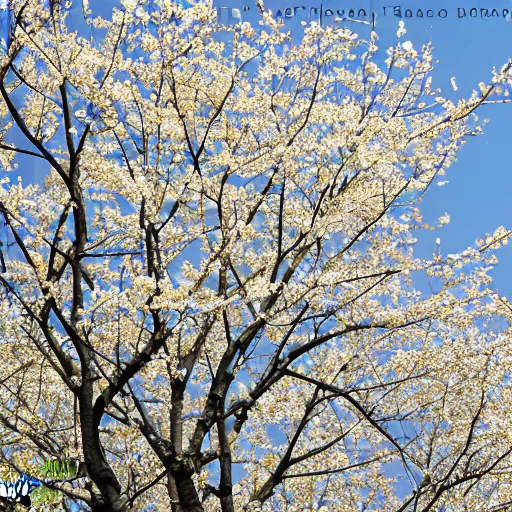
[(187, 493), (226, 480), (173, 494), (176, 439), (182, 480), (98, 468)]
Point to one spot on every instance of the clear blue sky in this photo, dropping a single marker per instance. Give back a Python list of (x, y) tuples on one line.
[(478, 195)]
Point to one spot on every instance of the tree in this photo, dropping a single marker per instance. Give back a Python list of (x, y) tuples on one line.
[(210, 295)]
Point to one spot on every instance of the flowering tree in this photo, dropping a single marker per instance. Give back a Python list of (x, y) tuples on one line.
[(211, 299)]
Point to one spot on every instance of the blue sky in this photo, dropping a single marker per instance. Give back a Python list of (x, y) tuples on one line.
[(477, 196)]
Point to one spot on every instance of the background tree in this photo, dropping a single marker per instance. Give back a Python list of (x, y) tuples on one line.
[(210, 296)]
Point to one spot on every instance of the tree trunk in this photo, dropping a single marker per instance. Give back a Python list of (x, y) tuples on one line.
[(187, 493), (97, 466), (173, 494)]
